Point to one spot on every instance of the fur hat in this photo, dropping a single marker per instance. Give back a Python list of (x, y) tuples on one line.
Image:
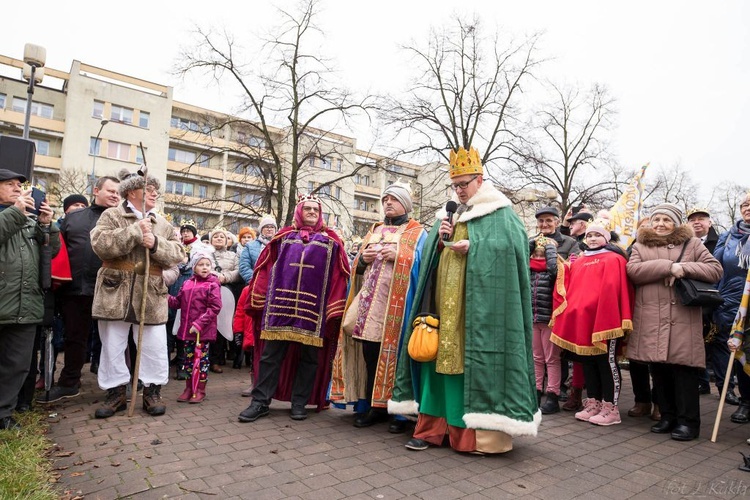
[(73, 199), (402, 192), (670, 210), (131, 181)]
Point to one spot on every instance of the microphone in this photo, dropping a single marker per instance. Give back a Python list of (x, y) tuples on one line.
[(450, 209)]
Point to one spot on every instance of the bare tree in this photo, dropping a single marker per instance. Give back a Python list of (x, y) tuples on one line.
[(725, 204), (671, 185), (463, 93), (566, 150), (293, 85)]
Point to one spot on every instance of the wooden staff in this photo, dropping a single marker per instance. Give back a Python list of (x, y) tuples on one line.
[(723, 396)]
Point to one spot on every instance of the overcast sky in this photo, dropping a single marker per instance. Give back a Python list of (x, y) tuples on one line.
[(680, 70)]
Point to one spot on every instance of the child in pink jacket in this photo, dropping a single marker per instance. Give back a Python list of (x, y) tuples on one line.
[(200, 302)]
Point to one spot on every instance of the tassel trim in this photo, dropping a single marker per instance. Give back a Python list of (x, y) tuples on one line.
[(292, 336)]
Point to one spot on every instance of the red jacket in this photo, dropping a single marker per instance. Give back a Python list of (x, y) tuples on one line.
[(243, 322), (199, 302)]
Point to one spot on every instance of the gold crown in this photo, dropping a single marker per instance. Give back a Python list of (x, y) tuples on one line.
[(301, 198), (464, 162), (541, 241), (188, 222)]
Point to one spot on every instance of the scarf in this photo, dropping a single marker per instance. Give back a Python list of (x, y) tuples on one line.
[(743, 250), (304, 231)]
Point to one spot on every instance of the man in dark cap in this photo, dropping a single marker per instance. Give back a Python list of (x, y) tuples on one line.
[(78, 296), (74, 202), (21, 298), (547, 221), (576, 225)]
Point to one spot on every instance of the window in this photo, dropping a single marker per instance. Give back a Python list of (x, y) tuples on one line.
[(118, 150), (310, 186), (42, 147), (184, 188), (202, 192), (94, 146), (364, 180), (236, 196), (256, 142), (200, 221), (181, 156), (169, 188), (37, 108), (98, 109), (325, 163), (338, 193), (2, 101), (339, 164), (185, 124), (121, 114), (325, 191), (312, 162), (139, 154), (253, 199), (143, 119)]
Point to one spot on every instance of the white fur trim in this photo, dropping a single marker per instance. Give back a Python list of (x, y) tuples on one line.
[(486, 200), (495, 422), (404, 408)]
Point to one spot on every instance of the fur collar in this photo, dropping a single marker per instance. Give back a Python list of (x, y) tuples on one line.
[(648, 236), (486, 200)]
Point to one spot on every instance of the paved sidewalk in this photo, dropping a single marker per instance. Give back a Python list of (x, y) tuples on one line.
[(202, 451)]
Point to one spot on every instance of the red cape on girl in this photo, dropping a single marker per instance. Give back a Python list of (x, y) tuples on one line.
[(593, 302)]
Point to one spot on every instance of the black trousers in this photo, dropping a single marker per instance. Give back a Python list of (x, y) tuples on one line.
[(270, 369), (640, 376), (602, 375), (677, 393), (371, 353), (16, 348), (76, 311)]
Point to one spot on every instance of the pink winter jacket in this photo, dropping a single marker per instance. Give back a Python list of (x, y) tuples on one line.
[(199, 302)]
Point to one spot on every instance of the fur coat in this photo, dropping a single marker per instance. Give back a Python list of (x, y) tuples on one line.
[(117, 239)]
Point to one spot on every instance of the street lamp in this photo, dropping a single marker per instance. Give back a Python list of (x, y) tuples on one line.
[(34, 58), (96, 153)]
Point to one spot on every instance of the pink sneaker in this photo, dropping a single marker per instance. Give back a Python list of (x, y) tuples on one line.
[(591, 407), (609, 415)]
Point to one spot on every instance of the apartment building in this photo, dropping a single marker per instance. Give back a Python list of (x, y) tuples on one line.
[(215, 169)]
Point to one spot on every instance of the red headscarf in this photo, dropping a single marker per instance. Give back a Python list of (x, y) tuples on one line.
[(304, 231)]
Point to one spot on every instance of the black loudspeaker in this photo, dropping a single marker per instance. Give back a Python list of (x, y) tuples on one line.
[(17, 155)]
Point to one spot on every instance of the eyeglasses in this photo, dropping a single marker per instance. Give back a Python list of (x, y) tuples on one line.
[(152, 190), (463, 185)]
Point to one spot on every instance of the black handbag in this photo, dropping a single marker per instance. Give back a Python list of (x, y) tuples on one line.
[(696, 293)]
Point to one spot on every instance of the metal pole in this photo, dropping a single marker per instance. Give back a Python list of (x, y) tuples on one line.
[(30, 94), (96, 153)]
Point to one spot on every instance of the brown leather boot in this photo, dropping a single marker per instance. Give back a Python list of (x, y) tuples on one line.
[(115, 402), (655, 413), (153, 404), (574, 402), (640, 410)]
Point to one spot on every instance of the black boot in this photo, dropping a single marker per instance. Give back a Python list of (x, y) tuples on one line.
[(742, 415), (746, 465), (551, 405)]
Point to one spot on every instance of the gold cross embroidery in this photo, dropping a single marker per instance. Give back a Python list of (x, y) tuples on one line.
[(301, 265)]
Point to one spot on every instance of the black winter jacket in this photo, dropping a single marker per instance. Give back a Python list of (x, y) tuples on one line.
[(542, 283), (84, 263)]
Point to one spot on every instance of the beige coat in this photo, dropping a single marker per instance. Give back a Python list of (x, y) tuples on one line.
[(117, 239), (664, 330)]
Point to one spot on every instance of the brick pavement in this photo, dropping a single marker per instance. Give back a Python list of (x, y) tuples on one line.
[(202, 451)]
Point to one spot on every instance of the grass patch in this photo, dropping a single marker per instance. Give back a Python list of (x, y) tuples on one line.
[(24, 467)]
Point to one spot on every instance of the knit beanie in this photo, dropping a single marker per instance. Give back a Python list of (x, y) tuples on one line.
[(670, 210), (598, 226), (72, 199), (196, 256), (402, 192), (267, 220)]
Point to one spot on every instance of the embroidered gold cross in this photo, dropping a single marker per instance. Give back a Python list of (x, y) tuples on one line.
[(301, 265)]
